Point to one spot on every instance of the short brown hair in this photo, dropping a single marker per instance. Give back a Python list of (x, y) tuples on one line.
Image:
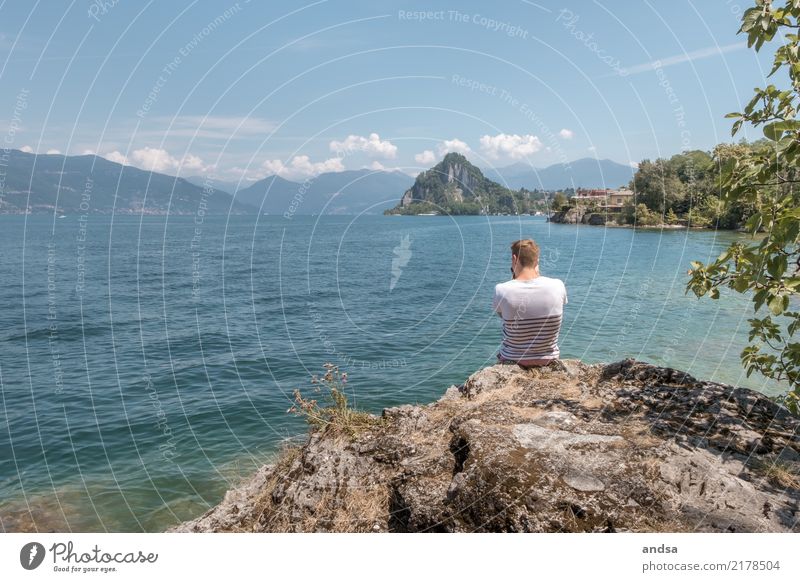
[(527, 252)]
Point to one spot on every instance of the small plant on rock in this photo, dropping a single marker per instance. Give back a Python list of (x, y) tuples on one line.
[(335, 414)]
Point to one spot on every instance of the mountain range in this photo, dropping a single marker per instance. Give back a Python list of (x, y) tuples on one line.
[(582, 173), (54, 182), (86, 184), (348, 192)]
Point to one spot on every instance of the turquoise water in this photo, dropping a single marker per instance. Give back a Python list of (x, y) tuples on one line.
[(148, 363)]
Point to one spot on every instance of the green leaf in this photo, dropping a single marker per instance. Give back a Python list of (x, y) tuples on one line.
[(740, 284), (759, 298), (787, 125), (776, 305), (772, 131)]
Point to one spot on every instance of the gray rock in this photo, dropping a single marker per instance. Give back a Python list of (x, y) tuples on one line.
[(584, 482)]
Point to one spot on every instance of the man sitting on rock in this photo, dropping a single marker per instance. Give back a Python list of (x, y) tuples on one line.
[(531, 306)]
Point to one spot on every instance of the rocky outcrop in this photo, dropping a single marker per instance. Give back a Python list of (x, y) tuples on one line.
[(454, 184), (578, 215), (567, 448), (596, 219)]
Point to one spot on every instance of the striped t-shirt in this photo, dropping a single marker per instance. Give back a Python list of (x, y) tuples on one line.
[(531, 312)]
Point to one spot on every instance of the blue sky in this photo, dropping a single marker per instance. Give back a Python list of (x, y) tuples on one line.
[(247, 89)]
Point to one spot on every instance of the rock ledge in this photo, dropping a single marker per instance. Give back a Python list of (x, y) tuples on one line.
[(568, 448)]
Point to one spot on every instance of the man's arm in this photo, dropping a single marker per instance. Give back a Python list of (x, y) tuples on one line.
[(496, 302)]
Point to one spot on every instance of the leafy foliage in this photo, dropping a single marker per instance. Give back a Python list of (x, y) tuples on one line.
[(559, 201), (645, 217), (761, 181)]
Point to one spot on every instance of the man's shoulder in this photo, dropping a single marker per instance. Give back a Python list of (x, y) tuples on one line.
[(552, 281), (504, 285)]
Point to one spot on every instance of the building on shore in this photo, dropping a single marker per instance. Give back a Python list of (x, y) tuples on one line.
[(611, 200)]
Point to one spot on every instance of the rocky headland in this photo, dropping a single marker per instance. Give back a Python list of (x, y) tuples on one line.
[(580, 215), (622, 447)]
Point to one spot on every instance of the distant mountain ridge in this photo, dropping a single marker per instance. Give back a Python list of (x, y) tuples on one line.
[(224, 185), (70, 184), (348, 192), (40, 182), (581, 173)]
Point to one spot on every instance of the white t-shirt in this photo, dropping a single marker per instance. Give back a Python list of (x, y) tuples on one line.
[(531, 312)]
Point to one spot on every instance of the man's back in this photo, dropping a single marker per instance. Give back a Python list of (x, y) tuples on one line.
[(531, 312)]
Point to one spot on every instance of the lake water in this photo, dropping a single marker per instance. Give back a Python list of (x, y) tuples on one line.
[(146, 363)]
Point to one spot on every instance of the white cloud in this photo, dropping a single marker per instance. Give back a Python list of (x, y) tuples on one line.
[(27, 149), (566, 133), (117, 157), (153, 159), (272, 167), (88, 153), (592, 149), (159, 160), (689, 57), (211, 127), (53, 151), (425, 158), (453, 145), (512, 146), (372, 146), (376, 165), (300, 167)]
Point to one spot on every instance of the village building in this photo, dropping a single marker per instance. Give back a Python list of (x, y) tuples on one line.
[(609, 199)]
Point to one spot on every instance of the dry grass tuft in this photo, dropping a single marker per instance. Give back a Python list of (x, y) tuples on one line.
[(779, 473), (337, 416)]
